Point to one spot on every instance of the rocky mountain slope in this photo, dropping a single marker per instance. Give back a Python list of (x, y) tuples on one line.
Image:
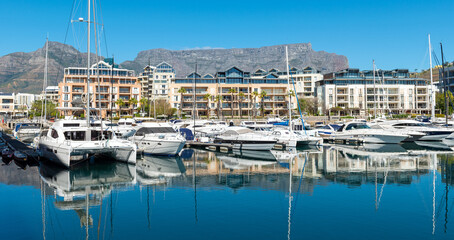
[(23, 72), (248, 59)]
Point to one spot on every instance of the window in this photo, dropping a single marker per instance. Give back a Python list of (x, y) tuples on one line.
[(54, 133), (75, 135)]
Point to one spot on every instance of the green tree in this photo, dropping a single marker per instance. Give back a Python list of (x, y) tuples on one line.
[(308, 105), (440, 102), (254, 100), (207, 97), (132, 102), (240, 100), (120, 102), (262, 96), (181, 91), (143, 103), (232, 91), (218, 100), (163, 107), (36, 109)]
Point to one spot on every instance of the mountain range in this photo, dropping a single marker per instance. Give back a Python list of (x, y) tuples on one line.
[(24, 72)]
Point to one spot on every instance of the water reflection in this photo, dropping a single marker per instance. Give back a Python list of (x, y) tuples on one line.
[(300, 187)]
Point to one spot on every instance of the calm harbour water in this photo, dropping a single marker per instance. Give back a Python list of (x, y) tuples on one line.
[(335, 192)]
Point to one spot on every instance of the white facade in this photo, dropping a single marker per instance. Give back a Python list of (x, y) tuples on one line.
[(155, 81), (396, 94)]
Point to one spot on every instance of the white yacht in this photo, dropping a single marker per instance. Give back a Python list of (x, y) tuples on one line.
[(360, 131), (158, 139), (431, 133), (245, 138), (26, 132), (294, 138), (67, 142), (123, 127)]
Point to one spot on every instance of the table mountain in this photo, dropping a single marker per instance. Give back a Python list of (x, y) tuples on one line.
[(248, 59), (23, 72)]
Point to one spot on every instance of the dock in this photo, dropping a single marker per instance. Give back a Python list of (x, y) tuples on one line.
[(17, 145)]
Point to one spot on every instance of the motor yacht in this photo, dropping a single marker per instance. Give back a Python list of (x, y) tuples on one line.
[(360, 131), (26, 132), (432, 133), (245, 138), (158, 139), (68, 142), (412, 135), (294, 138)]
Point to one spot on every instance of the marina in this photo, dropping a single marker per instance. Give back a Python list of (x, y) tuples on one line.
[(403, 190)]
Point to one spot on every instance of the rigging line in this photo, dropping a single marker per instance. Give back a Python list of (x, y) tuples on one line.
[(103, 29), (299, 185), (424, 59), (66, 35)]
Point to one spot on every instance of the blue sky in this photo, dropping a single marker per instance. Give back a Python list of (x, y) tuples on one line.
[(393, 32)]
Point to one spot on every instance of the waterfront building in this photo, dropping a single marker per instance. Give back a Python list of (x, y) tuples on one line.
[(7, 103), (448, 76), (111, 88), (304, 79), (52, 94), (355, 92), (214, 94), (155, 81)]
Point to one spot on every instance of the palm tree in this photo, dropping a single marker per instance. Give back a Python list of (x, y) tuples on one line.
[(143, 103), (207, 98), (132, 102), (120, 102), (181, 91), (254, 99), (231, 91), (262, 98), (218, 100), (240, 100)]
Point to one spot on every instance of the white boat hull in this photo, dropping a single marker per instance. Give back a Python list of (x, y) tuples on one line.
[(254, 146), (161, 147), (375, 138)]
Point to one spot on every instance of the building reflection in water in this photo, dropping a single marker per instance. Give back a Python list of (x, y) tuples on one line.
[(84, 186), (293, 172)]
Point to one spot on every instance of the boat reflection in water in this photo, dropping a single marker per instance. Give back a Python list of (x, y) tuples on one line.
[(152, 170), (85, 185)]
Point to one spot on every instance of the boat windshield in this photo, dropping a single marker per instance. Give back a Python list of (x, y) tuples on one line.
[(353, 126), (111, 124), (75, 135), (97, 136), (148, 130)]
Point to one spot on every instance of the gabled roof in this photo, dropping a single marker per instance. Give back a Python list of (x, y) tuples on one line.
[(208, 76), (272, 75), (273, 70), (163, 64), (260, 70), (194, 75)]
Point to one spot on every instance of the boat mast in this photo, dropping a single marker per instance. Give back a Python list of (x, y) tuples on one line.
[(375, 96), (195, 97), (432, 92), (444, 84), (289, 92), (88, 64), (44, 101)]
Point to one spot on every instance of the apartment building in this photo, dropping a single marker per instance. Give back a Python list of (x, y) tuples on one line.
[(111, 90), (304, 79), (7, 103), (355, 91), (214, 96), (52, 94), (155, 81)]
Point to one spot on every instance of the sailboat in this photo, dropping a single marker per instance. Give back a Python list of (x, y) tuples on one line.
[(68, 142)]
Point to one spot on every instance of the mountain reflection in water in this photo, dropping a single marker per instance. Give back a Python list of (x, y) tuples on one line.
[(404, 189)]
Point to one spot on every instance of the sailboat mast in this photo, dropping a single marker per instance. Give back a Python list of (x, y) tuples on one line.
[(375, 96), (432, 92), (88, 63), (289, 93), (44, 101), (444, 84)]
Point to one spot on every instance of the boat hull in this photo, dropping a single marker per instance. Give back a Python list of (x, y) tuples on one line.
[(162, 147)]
